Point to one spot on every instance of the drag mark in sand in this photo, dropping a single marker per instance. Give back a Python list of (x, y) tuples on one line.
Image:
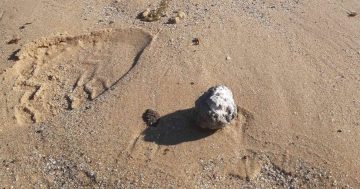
[(60, 73)]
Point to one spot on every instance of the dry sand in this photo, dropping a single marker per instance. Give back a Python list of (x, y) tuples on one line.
[(76, 77)]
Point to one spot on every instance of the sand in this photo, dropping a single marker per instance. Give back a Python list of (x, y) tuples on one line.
[(76, 78)]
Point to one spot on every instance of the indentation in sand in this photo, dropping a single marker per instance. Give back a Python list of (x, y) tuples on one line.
[(248, 168), (60, 73)]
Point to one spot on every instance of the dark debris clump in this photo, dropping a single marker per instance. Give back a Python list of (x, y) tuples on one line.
[(151, 117)]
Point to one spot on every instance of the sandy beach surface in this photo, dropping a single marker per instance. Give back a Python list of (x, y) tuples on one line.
[(76, 77)]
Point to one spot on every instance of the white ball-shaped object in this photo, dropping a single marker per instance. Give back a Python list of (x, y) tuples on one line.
[(216, 108)]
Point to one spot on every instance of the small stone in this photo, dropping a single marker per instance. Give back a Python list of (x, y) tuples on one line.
[(149, 15), (174, 20), (91, 175), (228, 58), (181, 15), (196, 41), (151, 117), (351, 13), (145, 13), (216, 108)]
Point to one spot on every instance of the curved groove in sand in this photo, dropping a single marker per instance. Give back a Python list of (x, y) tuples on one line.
[(60, 73)]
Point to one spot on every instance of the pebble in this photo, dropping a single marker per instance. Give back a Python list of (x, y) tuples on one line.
[(145, 13), (151, 117), (181, 15), (352, 13), (174, 20)]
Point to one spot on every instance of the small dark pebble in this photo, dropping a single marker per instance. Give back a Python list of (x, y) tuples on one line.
[(14, 56), (91, 175), (166, 151), (196, 41), (151, 117), (38, 131), (351, 14), (339, 131), (192, 83)]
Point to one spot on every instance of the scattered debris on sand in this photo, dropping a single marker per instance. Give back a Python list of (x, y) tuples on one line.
[(155, 15), (180, 15), (174, 20)]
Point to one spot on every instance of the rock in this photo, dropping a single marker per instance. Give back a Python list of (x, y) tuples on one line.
[(351, 13), (155, 15), (145, 13), (181, 15), (151, 117), (174, 20), (196, 41), (216, 108), (150, 15)]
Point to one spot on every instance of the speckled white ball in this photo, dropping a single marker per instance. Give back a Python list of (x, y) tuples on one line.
[(216, 108)]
